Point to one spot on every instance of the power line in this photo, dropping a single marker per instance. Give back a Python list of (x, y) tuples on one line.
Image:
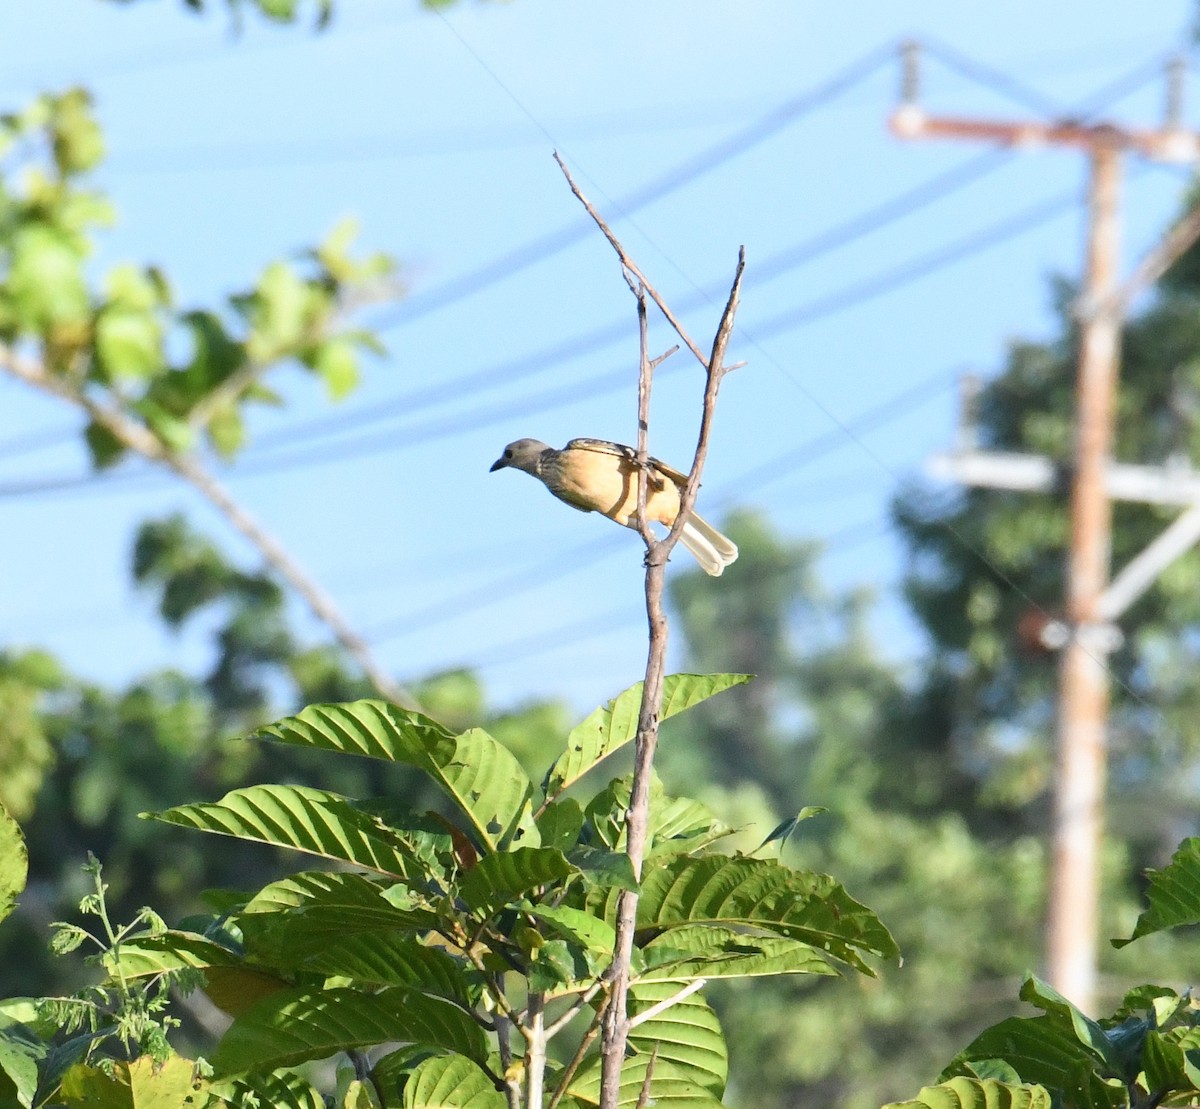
[(773, 266), (500, 269), (982, 74), (566, 562)]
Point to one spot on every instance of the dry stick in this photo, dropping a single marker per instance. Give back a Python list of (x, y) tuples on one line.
[(616, 1022), (644, 1094), (141, 440), (569, 1070)]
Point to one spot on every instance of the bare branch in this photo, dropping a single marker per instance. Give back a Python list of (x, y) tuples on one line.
[(570, 1014), (589, 1037), (629, 265), (139, 439), (644, 1093), (666, 1003)]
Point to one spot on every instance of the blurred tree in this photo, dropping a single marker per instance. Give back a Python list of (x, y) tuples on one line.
[(961, 891), (983, 564), (88, 760)]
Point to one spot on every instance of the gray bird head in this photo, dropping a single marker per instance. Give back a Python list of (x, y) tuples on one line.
[(524, 454)]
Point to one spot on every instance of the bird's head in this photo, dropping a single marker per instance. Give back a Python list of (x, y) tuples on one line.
[(523, 454)]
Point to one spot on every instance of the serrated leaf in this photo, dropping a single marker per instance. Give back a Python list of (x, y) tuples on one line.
[(314, 821), (704, 951), (14, 862), (1173, 893), (615, 724), (687, 1034), (450, 1082), (295, 1026), (481, 776), (505, 876), (972, 1093), (759, 893)]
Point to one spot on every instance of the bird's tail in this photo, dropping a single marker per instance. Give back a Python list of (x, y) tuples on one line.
[(708, 546)]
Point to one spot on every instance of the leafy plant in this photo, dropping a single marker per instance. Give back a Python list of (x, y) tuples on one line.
[(479, 937), (1144, 1055)]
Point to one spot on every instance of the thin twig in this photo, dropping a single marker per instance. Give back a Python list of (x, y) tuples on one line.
[(139, 439), (616, 1023), (570, 1014), (644, 1093), (589, 1037), (666, 1003), (629, 264)]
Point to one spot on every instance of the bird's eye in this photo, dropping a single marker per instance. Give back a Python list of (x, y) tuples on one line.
[(508, 453)]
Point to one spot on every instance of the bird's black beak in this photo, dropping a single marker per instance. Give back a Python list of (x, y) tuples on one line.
[(499, 464)]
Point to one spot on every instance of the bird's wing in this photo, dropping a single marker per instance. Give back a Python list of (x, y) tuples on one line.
[(606, 446), (601, 446)]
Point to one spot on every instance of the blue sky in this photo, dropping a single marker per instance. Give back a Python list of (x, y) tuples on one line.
[(436, 132)]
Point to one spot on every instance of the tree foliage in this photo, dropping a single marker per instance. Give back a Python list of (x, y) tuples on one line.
[(474, 933)]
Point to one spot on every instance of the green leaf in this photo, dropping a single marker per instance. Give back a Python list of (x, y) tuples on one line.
[(19, 1059), (604, 869), (972, 1093), (783, 830), (1086, 1030), (294, 1026), (226, 430), (279, 1091), (588, 931), (1173, 893), (311, 820), (76, 137), (386, 958), (482, 777), (759, 893), (141, 1084), (452, 1082), (280, 311), (705, 951), (301, 916), (560, 823), (105, 448), (1164, 1064), (611, 727), (687, 1034), (14, 862), (505, 876), (1044, 1050), (128, 343), (142, 956), (669, 1088), (45, 278), (336, 360)]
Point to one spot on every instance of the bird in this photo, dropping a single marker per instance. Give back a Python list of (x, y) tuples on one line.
[(595, 475)]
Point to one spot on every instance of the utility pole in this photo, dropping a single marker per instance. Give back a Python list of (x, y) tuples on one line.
[(1085, 636)]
